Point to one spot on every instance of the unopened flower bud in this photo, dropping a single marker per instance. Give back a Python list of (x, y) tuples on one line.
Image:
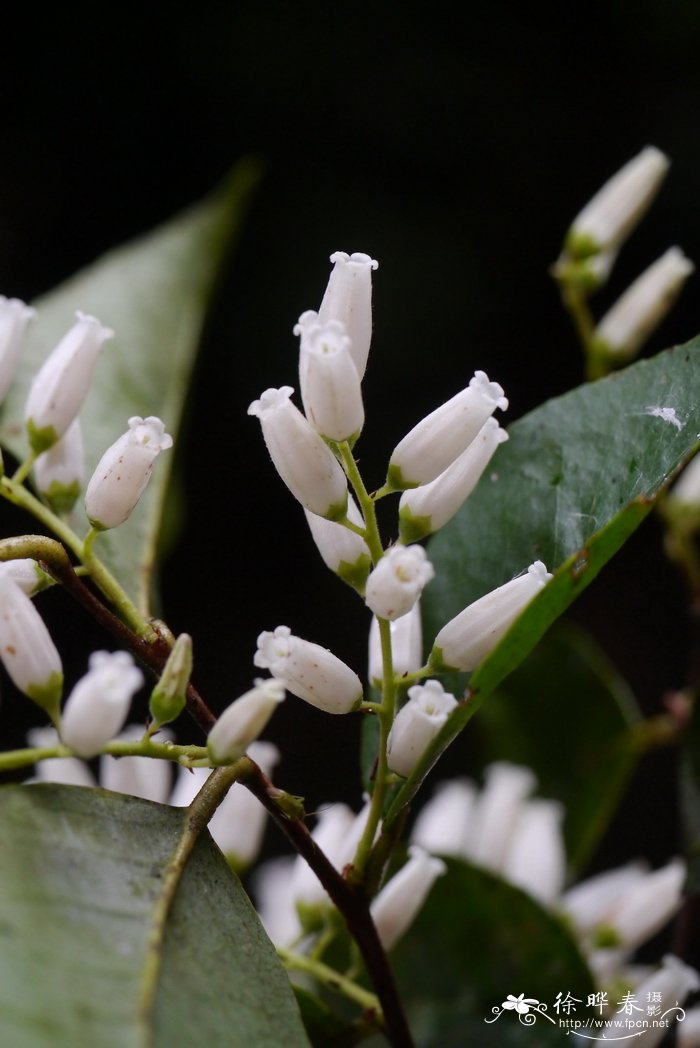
[(14, 317), (416, 725), (672, 983), (99, 703), (445, 824), (301, 457), (442, 436), (469, 637), (427, 508), (146, 777), (647, 905), (348, 298), (123, 472), (26, 572), (310, 672), (397, 582), (343, 551), (62, 383), (406, 646), (26, 649), (608, 219), (625, 328), (496, 813), (536, 858), (329, 383), (243, 721), (399, 902), (169, 696), (238, 824), (59, 471)]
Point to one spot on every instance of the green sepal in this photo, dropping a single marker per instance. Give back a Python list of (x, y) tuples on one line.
[(355, 574), (396, 480), (62, 497), (411, 528), (48, 695), (41, 438), (337, 511), (606, 937), (437, 665), (581, 245)]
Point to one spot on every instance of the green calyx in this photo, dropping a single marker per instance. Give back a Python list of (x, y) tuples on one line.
[(355, 574), (48, 695), (62, 497), (396, 480), (411, 528), (41, 438), (581, 245)]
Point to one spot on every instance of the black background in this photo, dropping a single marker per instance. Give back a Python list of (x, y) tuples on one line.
[(453, 146)]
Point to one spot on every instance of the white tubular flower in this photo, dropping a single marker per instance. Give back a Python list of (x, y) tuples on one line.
[(58, 472), (427, 508), (98, 705), (673, 982), (14, 317), (498, 809), (348, 847), (26, 649), (469, 637), (342, 550), (301, 457), (62, 383), (348, 298), (416, 725), (397, 581), (310, 672), (536, 858), (329, 383), (26, 572), (243, 721), (138, 776), (406, 646), (399, 902), (648, 905), (591, 902), (442, 436), (271, 884), (625, 328), (608, 219), (66, 771), (238, 824), (330, 834), (445, 823), (123, 472)]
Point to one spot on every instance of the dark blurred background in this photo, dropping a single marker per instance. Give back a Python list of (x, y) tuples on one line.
[(455, 147)]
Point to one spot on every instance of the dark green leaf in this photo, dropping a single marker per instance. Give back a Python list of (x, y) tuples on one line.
[(576, 478), (568, 715), (154, 293), (80, 875), (476, 940)]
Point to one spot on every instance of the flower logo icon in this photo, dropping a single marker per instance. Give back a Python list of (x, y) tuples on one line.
[(520, 1004)]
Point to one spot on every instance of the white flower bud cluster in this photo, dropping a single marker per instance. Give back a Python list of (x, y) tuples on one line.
[(591, 248), (506, 830)]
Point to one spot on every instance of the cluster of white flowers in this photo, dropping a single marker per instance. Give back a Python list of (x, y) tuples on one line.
[(98, 705), (592, 245), (435, 467), (503, 828)]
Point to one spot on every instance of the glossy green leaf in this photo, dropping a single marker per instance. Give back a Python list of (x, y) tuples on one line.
[(154, 292), (80, 875), (476, 940), (566, 713), (576, 478)]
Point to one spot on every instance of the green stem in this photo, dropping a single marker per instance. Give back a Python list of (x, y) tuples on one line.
[(25, 468), (102, 578), (195, 821), (11, 760), (371, 536), (331, 979)]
